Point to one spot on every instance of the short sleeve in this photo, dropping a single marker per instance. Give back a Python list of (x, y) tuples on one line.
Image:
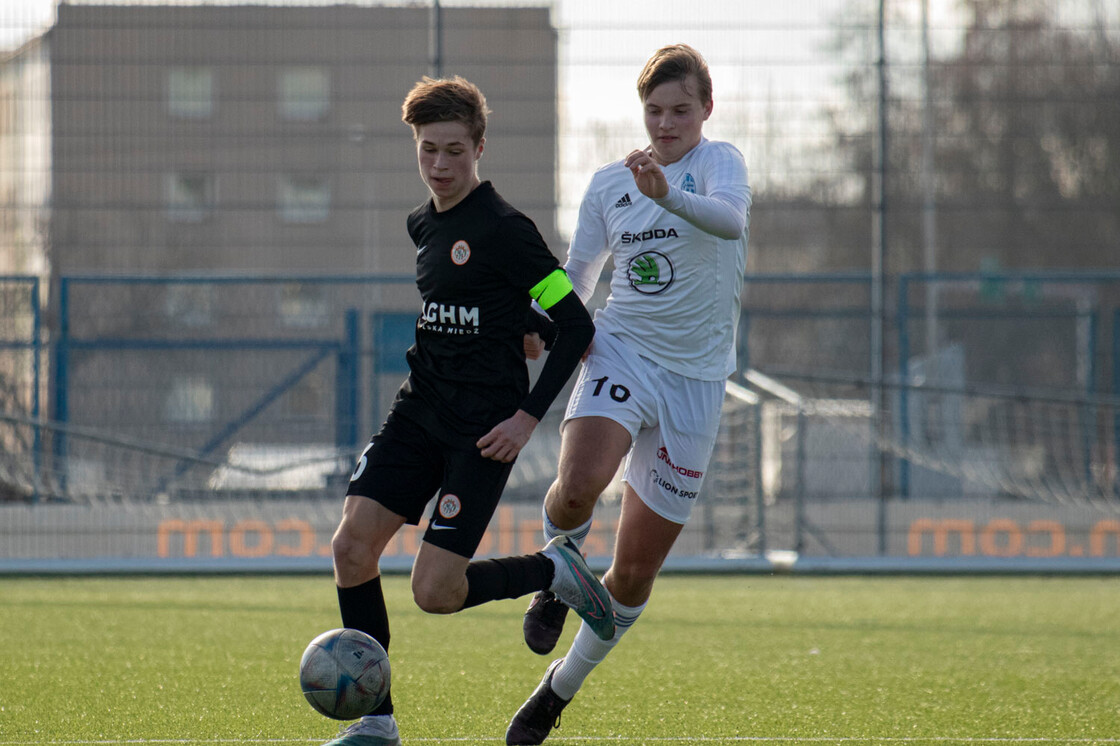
[(524, 258)]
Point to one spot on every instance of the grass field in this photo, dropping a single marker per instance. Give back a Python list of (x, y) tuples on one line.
[(714, 660)]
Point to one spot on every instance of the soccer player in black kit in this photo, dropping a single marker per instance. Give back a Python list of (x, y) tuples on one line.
[(466, 410)]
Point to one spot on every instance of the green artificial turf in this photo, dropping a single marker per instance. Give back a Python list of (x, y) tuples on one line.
[(714, 660)]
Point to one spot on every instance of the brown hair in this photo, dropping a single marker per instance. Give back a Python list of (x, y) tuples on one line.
[(675, 62), (446, 100)]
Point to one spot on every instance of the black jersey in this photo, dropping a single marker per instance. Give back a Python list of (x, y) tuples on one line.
[(475, 266)]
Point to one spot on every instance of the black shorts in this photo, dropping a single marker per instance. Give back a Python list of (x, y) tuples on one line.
[(405, 464)]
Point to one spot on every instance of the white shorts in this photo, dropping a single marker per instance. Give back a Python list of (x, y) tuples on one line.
[(672, 421)]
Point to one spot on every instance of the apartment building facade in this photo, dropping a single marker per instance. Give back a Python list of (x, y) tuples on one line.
[(198, 142), (256, 138)]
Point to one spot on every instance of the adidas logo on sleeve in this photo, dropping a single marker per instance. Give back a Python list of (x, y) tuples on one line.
[(625, 201)]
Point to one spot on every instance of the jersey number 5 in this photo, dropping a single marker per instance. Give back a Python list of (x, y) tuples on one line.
[(362, 461)]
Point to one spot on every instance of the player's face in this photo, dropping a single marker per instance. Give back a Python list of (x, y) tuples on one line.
[(674, 117), (448, 160)]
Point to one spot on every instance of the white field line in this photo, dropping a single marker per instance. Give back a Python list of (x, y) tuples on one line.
[(593, 739)]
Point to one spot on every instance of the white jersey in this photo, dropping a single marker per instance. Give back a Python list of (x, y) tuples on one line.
[(675, 286)]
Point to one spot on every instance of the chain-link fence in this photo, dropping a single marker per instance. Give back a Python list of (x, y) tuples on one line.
[(921, 172)]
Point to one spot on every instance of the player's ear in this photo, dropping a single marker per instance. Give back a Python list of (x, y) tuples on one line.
[(708, 109), (478, 150)]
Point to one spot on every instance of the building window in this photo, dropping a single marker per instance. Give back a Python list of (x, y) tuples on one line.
[(190, 92), (190, 197), (304, 198), (304, 93), (303, 305), (306, 399), (190, 400), (189, 304)]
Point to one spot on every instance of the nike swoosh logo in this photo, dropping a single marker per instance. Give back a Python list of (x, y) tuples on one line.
[(422, 249), (438, 527), (600, 611)]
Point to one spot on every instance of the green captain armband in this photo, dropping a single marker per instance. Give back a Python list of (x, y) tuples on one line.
[(548, 292)]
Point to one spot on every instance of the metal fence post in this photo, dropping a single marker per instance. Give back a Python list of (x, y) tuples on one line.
[(36, 375), (62, 379), (1089, 410), (759, 495), (904, 381), (799, 511), (1115, 393), (347, 399)]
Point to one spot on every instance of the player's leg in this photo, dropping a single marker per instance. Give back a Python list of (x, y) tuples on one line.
[(445, 580), (642, 543), (439, 580), (611, 401), (663, 479), (358, 543), (644, 540), (591, 449), (389, 488), (464, 505)]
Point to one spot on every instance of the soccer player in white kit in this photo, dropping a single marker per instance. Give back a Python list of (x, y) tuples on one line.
[(674, 217)]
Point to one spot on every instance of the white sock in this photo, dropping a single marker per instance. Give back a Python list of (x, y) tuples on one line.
[(382, 726), (588, 651), (551, 530)]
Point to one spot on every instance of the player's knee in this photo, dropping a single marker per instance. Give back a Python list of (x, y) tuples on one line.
[(580, 488), (350, 554), (632, 580), (432, 603), (434, 599)]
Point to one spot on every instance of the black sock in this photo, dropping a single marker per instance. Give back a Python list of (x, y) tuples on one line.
[(363, 609), (507, 577)]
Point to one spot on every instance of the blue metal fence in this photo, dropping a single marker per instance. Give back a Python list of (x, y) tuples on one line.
[(121, 346), (999, 397), (21, 341), (1041, 335), (1036, 336)]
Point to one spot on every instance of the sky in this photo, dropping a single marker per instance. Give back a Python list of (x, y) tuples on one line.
[(22, 18)]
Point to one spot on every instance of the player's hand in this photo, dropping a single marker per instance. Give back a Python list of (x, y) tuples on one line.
[(508, 437), (648, 176), (534, 346)]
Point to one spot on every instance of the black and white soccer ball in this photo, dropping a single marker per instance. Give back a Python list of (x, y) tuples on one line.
[(344, 674)]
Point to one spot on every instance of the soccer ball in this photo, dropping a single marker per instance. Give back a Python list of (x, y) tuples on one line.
[(344, 674)]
